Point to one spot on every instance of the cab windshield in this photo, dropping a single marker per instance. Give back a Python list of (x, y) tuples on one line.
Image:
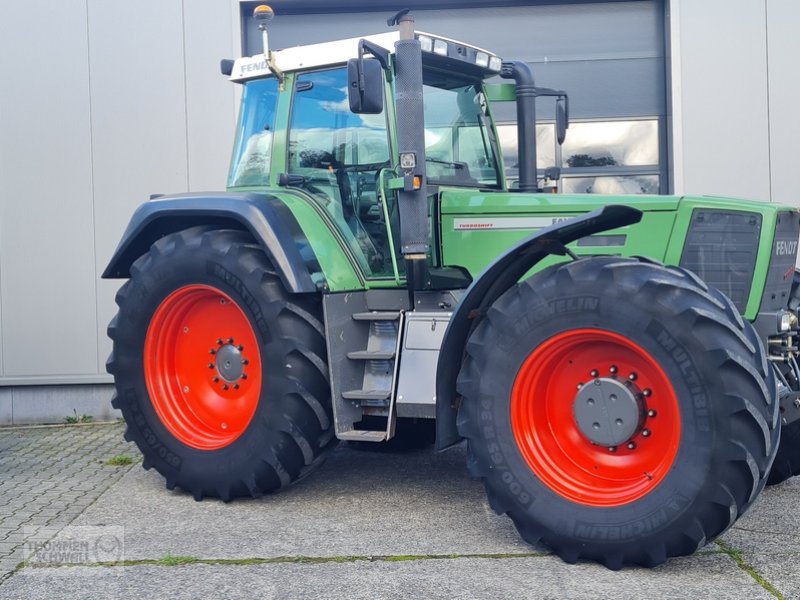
[(253, 147), (460, 148)]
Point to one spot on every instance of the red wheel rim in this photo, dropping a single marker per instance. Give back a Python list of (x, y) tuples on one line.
[(550, 440), (202, 367)]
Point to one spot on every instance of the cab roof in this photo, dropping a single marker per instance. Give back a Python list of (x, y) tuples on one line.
[(336, 52)]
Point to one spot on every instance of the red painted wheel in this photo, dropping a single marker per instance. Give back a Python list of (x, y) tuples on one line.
[(617, 410), (202, 367), (543, 404)]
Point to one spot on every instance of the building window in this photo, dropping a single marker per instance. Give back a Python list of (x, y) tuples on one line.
[(597, 157)]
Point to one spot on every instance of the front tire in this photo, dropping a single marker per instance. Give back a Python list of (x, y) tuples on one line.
[(687, 427), (220, 374)]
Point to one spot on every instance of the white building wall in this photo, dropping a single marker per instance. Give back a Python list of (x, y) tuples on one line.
[(735, 97), (110, 102), (99, 107)]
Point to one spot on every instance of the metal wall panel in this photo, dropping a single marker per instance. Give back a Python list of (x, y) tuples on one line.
[(210, 97), (722, 114), (783, 24), (139, 133), (46, 221)]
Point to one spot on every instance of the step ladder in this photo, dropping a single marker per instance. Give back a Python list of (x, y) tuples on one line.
[(375, 397), (363, 349)]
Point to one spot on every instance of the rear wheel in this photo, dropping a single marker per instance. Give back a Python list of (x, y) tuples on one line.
[(618, 410), (220, 374)]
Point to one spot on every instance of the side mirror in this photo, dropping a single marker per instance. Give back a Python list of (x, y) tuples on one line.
[(562, 120), (365, 86)]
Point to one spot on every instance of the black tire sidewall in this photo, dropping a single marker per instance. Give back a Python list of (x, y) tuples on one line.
[(184, 266), (613, 311)]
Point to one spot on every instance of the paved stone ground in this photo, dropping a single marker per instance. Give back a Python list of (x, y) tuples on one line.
[(372, 525), (48, 476)]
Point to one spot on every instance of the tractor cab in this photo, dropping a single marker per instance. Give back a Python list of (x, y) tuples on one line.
[(322, 120)]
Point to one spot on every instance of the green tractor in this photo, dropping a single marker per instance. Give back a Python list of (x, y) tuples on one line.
[(370, 270)]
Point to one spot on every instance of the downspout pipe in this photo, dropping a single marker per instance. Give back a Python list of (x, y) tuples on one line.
[(526, 122)]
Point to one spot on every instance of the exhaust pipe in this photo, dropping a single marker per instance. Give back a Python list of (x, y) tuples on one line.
[(526, 122)]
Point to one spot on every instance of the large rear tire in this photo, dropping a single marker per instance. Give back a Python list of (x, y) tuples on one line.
[(220, 374), (687, 427)]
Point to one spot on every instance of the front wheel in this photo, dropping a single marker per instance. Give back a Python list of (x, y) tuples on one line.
[(221, 375), (618, 410)]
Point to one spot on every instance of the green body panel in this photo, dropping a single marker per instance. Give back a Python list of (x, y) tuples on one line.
[(477, 227), (339, 266)]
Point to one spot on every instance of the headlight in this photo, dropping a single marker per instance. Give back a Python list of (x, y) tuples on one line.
[(786, 321), (426, 43), (440, 47)]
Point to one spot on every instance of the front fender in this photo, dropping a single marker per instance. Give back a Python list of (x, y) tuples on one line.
[(498, 277), (269, 221)]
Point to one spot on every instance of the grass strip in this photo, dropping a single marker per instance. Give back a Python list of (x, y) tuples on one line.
[(738, 558), (169, 560)]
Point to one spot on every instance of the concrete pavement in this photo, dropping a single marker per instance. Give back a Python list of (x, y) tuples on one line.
[(377, 525)]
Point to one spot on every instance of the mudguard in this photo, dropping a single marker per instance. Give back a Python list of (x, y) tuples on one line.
[(269, 220), (498, 277)]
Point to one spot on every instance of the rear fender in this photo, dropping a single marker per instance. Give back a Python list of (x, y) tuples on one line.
[(498, 277), (270, 222)]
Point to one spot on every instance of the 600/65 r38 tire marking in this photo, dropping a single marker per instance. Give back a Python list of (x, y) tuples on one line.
[(695, 397), (220, 374)]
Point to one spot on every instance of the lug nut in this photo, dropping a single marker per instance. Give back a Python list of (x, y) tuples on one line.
[(631, 445), (580, 385), (236, 386), (244, 375), (645, 433), (215, 380), (245, 361), (219, 342), (210, 365), (612, 448), (212, 351), (613, 369), (594, 373), (240, 347), (230, 340), (225, 387), (651, 413), (632, 376), (646, 392)]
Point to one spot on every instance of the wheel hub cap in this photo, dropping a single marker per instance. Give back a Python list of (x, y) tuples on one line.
[(229, 362), (608, 411)]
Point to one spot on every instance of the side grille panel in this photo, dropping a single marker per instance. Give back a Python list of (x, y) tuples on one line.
[(721, 248)]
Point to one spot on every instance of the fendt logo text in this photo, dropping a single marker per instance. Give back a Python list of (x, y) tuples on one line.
[(783, 248)]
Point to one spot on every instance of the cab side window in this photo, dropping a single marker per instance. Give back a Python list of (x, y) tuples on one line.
[(339, 155)]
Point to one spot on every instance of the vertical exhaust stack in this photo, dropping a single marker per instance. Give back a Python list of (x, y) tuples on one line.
[(411, 147), (526, 122)]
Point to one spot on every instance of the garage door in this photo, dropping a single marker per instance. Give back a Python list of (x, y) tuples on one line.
[(609, 57)]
